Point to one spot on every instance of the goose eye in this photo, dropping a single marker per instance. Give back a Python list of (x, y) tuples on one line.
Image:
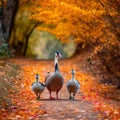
[(60, 55)]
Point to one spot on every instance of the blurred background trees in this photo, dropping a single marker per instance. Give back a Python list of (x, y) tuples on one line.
[(28, 41), (42, 45)]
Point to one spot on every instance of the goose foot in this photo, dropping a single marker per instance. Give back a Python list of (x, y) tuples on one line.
[(70, 97), (52, 98), (57, 95), (73, 96), (38, 97)]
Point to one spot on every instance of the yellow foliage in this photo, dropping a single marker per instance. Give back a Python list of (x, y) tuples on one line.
[(86, 21)]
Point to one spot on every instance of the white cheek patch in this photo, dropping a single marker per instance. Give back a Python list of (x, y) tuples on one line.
[(56, 54)]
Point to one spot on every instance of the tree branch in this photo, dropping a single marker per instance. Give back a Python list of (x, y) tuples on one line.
[(27, 38)]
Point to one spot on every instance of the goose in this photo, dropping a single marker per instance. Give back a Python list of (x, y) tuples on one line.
[(37, 87), (54, 81), (72, 86)]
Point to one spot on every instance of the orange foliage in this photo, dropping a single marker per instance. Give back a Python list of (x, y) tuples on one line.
[(26, 107), (86, 21)]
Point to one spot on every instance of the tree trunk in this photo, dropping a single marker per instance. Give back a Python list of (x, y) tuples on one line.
[(8, 17), (1, 15), (27, 39)]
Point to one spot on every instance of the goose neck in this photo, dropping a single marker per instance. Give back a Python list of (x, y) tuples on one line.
[(37, 80), (73, 77), (56, 60), (56, 67)]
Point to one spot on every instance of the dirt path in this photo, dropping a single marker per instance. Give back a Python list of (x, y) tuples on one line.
[(65, 109), (88, 103), (27, 108)]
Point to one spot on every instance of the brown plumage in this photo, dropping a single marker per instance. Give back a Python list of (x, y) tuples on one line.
[(54, 82)]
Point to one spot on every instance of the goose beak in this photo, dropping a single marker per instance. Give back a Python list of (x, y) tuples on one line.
[(59, 55)]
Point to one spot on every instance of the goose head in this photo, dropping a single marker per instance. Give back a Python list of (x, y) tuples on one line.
[(57, 56), (73, 73), (37, 77)]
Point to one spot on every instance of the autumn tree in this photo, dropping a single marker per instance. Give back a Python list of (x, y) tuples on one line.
[(84, 21), (88, 23), (78, 20), (109, 53), (22, 30)]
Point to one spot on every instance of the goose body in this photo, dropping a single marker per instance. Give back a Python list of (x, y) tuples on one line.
[(37, 87), (72, 86), (54, 81)]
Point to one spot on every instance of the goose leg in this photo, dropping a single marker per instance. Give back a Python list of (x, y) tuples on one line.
[(70, 96), (51, 96), (38, 97), (73, 96), (57, 94)]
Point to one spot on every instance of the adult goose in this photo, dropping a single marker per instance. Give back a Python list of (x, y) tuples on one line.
[(37, 87), (54, 81), (72, 86)]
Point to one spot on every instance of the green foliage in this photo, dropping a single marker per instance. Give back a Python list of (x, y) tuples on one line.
[(42, 45), (57, 46), (4, 51)]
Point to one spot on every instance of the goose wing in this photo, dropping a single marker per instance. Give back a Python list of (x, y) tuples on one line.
[(54, 82)]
